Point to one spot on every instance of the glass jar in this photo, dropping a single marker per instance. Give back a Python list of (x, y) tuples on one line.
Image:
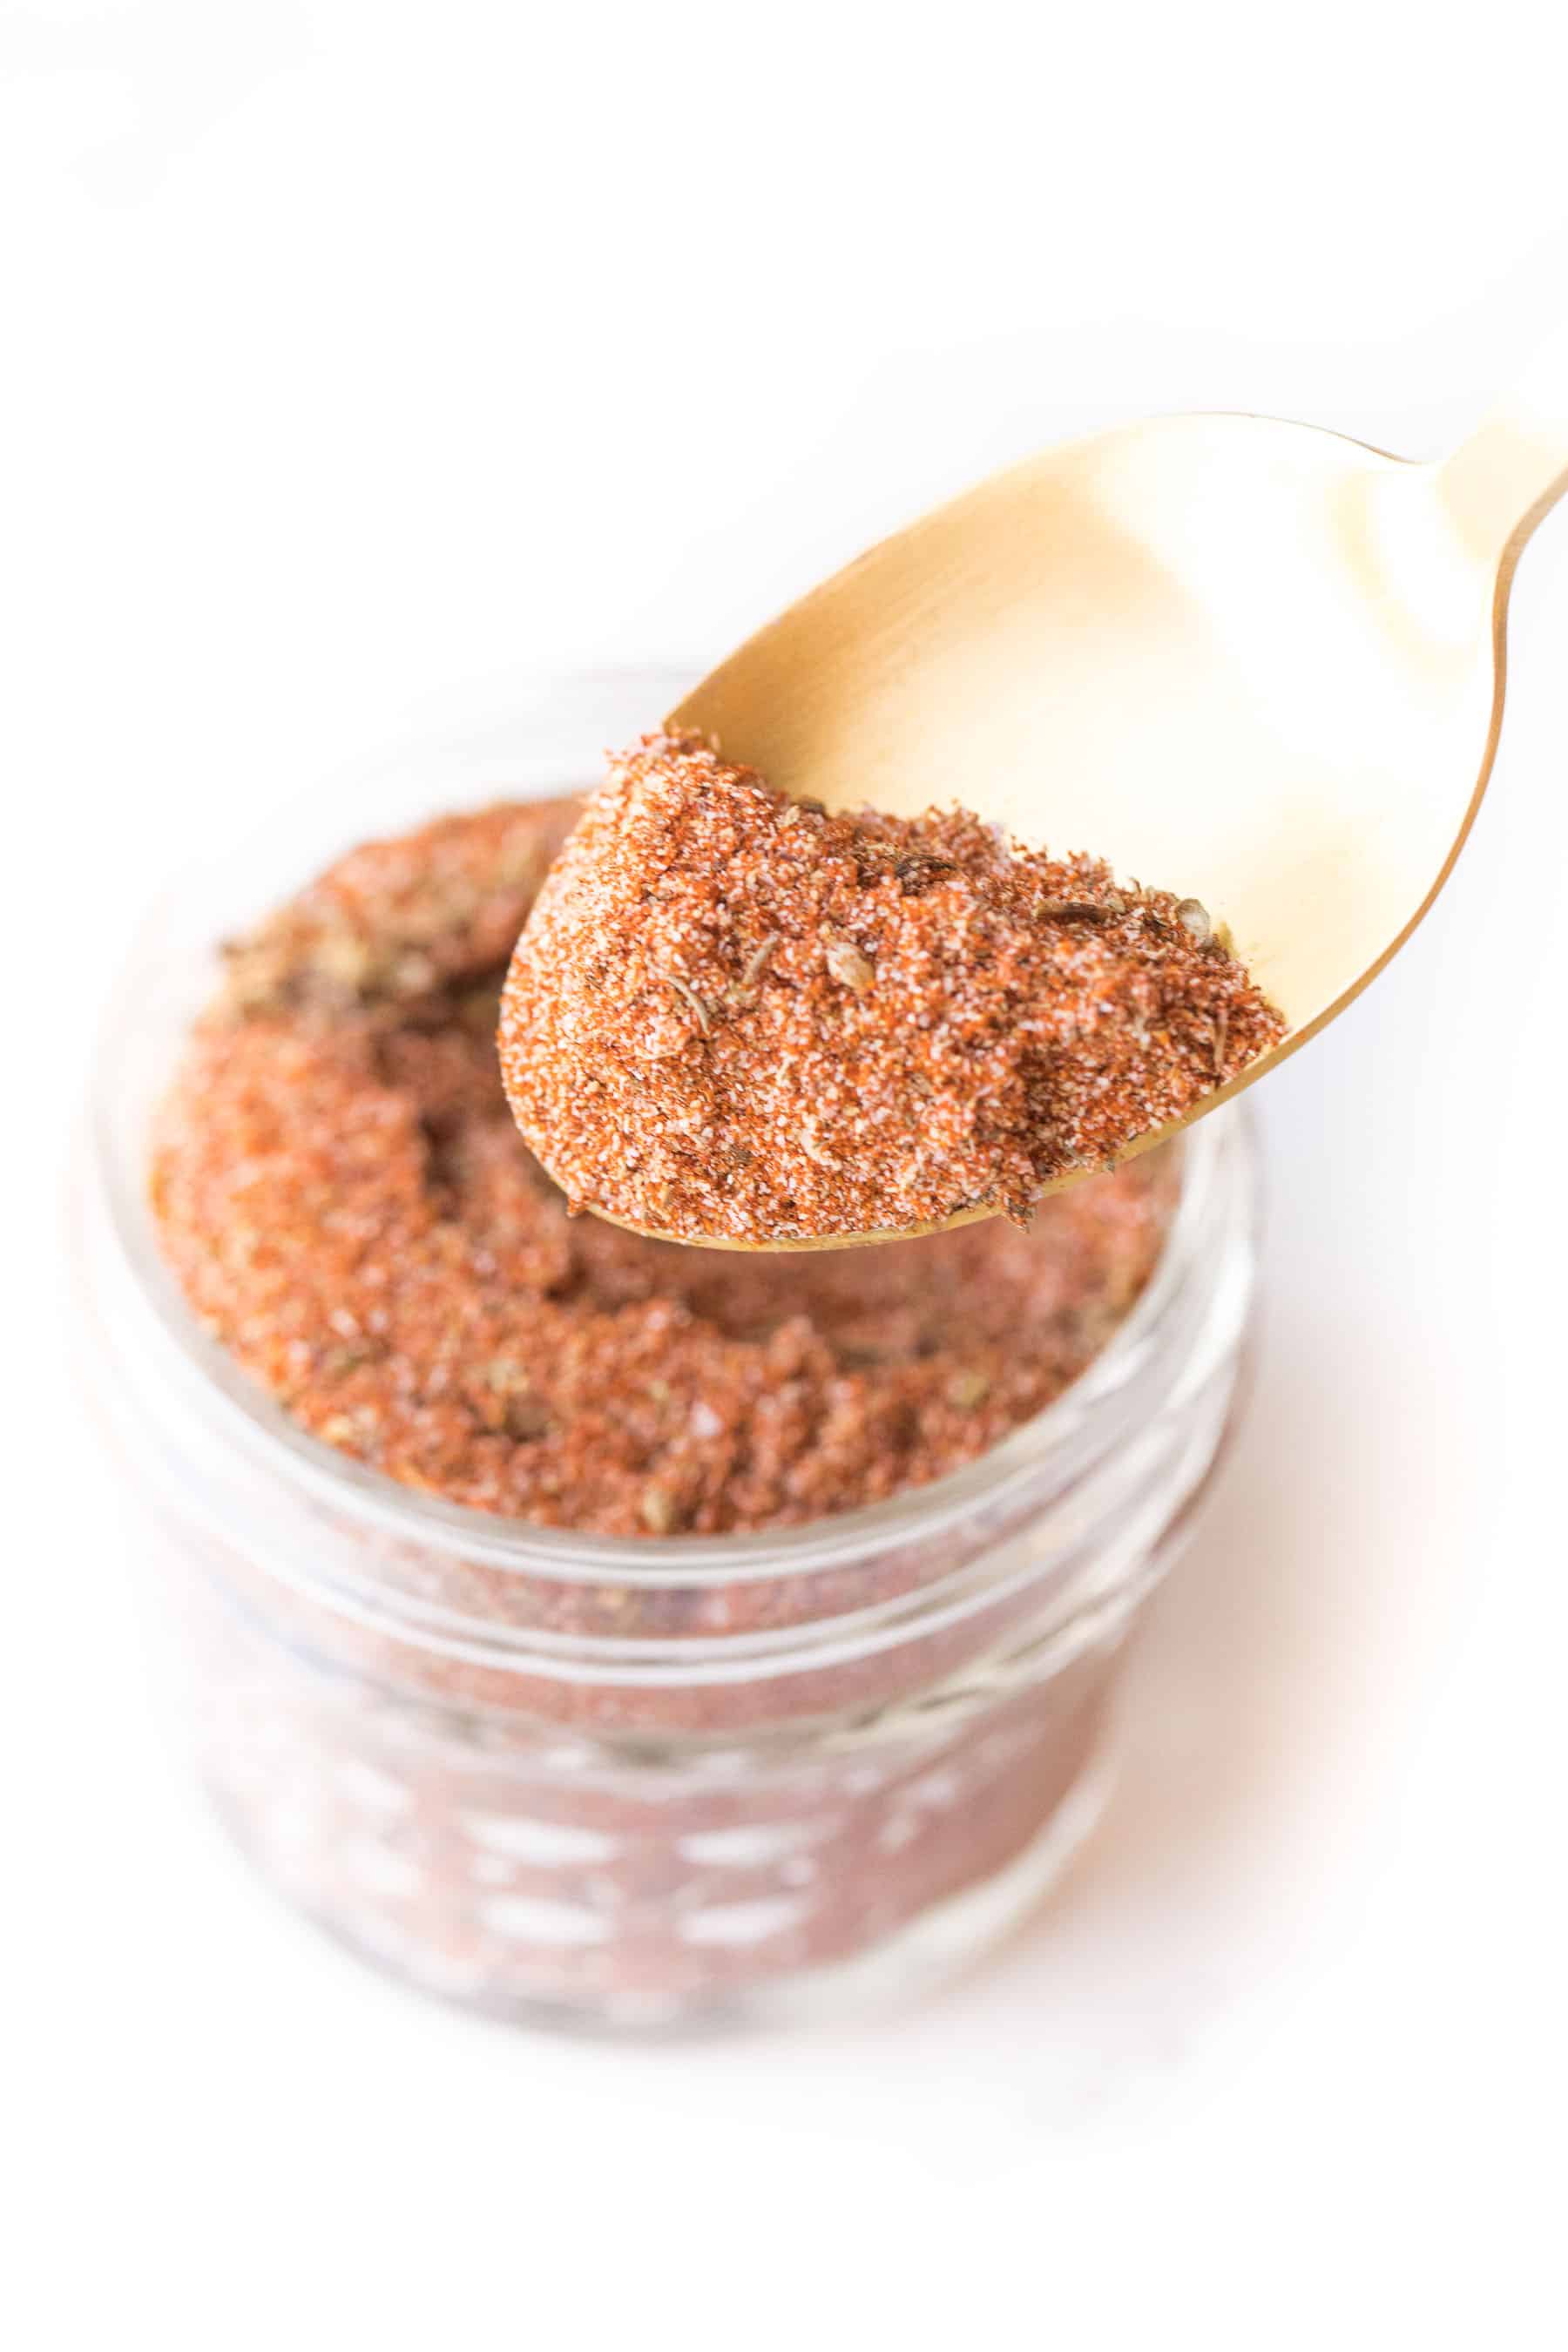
[(589, 1779)]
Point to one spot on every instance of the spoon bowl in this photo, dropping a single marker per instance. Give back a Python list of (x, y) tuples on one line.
[(1251, 662)]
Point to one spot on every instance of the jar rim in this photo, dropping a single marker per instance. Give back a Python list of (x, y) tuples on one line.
[(271, 1439), (194, 1362)]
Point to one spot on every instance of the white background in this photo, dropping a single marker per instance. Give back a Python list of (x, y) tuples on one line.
[(349, 352)]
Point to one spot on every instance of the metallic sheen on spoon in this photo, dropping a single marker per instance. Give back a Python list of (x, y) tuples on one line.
[(1252, 661)]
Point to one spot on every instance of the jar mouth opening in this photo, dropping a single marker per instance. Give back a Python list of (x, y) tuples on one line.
[(215, 1385), (161, 986)]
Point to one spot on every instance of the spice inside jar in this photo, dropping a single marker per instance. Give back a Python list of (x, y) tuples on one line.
[(349, 1209)]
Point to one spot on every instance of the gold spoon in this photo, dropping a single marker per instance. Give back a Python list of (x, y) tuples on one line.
[(1251, 662)]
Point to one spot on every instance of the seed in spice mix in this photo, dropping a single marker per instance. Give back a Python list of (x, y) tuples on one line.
[(734, 1015), (343, 1194)]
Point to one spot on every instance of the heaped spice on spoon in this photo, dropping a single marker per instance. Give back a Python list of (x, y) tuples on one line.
[(350, 1211), (733, 1016)]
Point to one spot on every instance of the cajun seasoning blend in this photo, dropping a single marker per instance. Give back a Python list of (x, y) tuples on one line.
[(733, 1016), (589, 1682), (349, 1209)]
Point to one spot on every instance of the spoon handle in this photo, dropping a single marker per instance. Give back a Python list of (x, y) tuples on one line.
[(1514, 468)]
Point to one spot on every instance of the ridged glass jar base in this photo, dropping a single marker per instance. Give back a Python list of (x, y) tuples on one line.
[(531, 1873), (898, 1966)]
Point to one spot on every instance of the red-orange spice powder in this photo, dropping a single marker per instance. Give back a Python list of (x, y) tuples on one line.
[(344, 1196), (734, 1015)]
